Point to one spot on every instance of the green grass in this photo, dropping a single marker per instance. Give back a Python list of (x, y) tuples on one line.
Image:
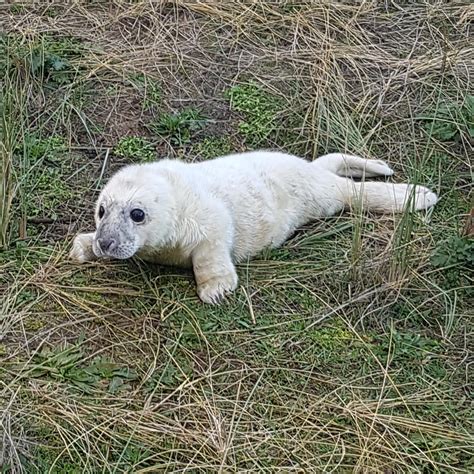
[(13, 100), (8, 138), (44, 190), (347, 349), (150, 90)]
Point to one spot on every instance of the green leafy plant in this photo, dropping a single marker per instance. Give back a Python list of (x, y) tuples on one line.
[(453, 257), (179, 127), (135, 148), (260, 111), (451, 120), (453, 252), (213, 147), (65, 363), (409, 346), (47, 149), (412, 353), (50, 59)]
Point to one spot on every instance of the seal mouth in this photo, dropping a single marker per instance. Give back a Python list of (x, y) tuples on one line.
[(97, 250), (121, 252)]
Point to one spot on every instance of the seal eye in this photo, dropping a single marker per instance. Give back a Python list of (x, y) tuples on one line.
[(101, 212), (137, 215)]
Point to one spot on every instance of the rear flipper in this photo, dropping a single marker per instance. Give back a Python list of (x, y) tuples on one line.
[(352, 166), (387, 197)]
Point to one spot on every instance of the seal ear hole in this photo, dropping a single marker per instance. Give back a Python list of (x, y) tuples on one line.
[(137, 215), (101, 212)]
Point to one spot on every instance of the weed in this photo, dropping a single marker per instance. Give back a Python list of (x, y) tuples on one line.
[(46, 150), (454, 257), (136, 149), (324, 343), (65, 364), (32, 167), (403, 238), (451, 120), (453, 252), (411, 354), (212, 147), (47, 59), (260, 110), (179, 127)]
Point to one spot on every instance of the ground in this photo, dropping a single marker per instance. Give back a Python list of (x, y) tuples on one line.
[(348, 349)]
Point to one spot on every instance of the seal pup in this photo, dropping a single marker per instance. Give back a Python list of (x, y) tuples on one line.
[(213, 214)]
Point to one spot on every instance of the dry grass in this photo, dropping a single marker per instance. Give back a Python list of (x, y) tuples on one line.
[(346, 350)]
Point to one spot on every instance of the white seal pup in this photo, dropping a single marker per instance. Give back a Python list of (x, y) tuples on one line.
[(214, 214)]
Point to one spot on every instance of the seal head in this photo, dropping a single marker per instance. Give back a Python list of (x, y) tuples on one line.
[(132, 212)]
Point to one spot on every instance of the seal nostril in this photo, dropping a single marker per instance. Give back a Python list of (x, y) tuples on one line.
[(107, 244)]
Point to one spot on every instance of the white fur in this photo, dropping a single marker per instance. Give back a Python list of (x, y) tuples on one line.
[(210, 215)]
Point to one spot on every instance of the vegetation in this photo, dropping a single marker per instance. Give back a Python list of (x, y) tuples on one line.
[(135, 148), (347, 349), (212, 147), (179, 127), (260, 110)]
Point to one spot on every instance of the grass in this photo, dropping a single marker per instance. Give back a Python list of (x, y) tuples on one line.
[(348, 349), (13, 97), (150, 90)]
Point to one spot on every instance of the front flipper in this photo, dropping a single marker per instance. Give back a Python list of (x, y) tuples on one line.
[(214, 272), (81, 251)]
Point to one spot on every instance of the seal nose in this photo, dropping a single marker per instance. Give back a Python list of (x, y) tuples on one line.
[(106, 245)]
